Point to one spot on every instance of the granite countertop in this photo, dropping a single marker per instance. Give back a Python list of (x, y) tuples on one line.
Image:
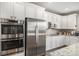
[(72, 50), (62, 35)]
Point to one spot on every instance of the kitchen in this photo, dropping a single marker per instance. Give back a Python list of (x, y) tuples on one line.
[(58, 27)]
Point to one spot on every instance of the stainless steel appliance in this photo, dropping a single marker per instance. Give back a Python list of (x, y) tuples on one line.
[(35, 36), (11, 36)]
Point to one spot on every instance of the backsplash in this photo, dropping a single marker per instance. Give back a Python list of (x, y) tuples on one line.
[(52, 32)]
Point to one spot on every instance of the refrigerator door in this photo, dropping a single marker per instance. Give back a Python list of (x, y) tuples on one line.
[(34, 37), (40, 38)]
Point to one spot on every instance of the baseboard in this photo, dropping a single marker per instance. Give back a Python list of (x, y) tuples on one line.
[(56, 48)]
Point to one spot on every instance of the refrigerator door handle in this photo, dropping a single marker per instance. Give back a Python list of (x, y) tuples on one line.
[(37, 32)]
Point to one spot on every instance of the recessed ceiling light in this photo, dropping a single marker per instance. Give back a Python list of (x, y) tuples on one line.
[(49, 2), (55, 17), (66, 9)]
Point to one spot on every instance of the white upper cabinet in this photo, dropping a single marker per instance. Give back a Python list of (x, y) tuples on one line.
[(30, 11), (54, 19), (6, 9), (19, 12), (64, 23), (68, 22), (34, 11), (58, 21), (72, 21), (9, 9), (50, 17), (39, 12)]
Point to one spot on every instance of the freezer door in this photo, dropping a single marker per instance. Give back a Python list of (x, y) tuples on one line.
[(30, 38)]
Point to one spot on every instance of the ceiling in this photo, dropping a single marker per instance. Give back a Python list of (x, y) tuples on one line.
[(62, 8)]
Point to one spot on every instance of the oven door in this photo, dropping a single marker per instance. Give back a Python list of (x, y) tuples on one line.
[(11, 29), (11, 46)]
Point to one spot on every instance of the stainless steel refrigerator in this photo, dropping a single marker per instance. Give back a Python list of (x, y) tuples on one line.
[(35, 37)]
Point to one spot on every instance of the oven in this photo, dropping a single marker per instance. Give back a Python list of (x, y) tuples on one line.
[(11, 37), (11, 46)]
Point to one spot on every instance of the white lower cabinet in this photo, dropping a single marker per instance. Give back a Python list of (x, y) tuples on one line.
[(71, 40), (58, 41), (54, 42), (48, 43), (67, 42)]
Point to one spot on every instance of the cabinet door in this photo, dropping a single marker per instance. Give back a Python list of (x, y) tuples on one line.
[(1, 10), (48, 43), (54, 43), (6, 9), (64, 40), (58, 22), (27, 10), (61, 41), (34, 11), (57, 42), (73, 40), (45, 15), (19, 11), (67, 40), (49, 16), (64, 22), (72, 21), (39, 13), (31, 11)]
